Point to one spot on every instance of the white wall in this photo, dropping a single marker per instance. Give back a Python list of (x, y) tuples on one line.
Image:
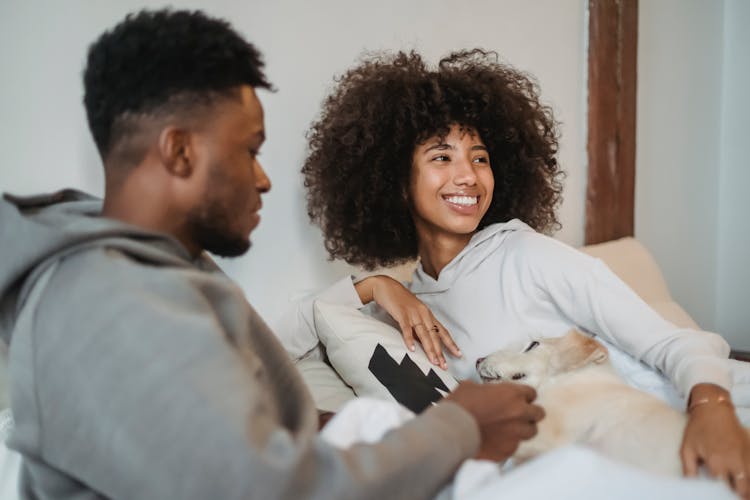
[(692, 166), (733, 277), (678, 144), (46, 144)]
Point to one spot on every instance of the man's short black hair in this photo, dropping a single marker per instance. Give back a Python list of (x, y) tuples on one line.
[(154, 59)]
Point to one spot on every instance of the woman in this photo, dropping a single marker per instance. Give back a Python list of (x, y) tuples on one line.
[(456, 166)]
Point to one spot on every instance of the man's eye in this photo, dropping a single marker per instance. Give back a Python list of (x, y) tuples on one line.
[(481, 159), (441, 158)]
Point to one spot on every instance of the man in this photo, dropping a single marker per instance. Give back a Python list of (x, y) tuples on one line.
[(138, 369)]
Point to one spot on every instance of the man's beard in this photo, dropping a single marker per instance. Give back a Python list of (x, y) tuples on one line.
[(209, 227)]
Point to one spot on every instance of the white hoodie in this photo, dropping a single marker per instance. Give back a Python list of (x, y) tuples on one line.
[(511, 285)]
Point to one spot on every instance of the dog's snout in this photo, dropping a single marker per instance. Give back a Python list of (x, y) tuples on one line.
[(479, 361)]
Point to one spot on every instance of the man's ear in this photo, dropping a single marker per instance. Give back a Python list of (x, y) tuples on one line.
[(175, 151)]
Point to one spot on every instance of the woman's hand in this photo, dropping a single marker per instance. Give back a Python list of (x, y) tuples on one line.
[(715, 438), (413, 317)]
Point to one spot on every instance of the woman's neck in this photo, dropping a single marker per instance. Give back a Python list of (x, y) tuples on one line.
[(437, 250)]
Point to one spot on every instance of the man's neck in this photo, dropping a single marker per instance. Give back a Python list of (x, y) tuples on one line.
[(131, 202)]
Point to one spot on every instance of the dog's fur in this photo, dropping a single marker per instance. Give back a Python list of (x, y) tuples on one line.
[(586, 402)]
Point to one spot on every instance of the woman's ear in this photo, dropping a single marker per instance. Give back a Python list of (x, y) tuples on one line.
[(175, 151)]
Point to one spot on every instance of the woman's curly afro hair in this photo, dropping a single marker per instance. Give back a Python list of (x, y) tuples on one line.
[(359, 165)]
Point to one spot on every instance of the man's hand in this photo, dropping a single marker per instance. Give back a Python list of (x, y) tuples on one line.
[(413, 317), (716, 439), (504, 414)]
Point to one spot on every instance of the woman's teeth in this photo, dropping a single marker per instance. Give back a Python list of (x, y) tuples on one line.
[(463, 200)]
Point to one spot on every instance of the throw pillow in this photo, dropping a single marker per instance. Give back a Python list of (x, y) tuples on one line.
[(373, 360)]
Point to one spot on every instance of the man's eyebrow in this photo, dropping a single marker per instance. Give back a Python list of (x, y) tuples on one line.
[(479, 147)]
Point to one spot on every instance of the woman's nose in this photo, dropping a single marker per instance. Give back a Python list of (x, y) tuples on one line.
[(465, 174)]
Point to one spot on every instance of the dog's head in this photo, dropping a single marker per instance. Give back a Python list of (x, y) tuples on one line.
[(541, 359)]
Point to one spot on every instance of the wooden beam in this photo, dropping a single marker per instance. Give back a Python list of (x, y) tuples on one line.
[(613, 48)]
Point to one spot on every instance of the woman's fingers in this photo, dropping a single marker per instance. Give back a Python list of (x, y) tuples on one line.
[(420, 330), (734, 475), (739, 482), (433, 336), (690, 462), (429, 332), (447, 340), (438, 347), (732, 471), (406, 332)]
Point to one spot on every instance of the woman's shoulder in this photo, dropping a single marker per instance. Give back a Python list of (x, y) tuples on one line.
[(514, 236), (541, 249)]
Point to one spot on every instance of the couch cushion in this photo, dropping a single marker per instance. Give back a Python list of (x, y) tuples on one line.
[(328, 389)]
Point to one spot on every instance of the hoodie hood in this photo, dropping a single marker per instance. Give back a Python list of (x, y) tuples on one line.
[(37, 231), (483, 244)]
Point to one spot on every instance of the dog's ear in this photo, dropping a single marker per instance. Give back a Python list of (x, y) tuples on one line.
[(575, 350)]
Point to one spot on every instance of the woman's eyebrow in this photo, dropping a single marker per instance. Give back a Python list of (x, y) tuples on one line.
[(441, 146), (479, 147)]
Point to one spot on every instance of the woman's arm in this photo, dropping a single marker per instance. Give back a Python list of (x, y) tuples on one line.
[(590, 295), (297, 329), (414, 318), (586, 291)]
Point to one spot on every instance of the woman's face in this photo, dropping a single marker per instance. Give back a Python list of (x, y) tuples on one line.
[(451, 184)]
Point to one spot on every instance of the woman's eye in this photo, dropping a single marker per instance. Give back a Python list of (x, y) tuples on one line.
[(441, 158), (481, 159)]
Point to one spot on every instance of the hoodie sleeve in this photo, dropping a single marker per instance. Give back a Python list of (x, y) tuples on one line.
[(142, 389), (585, 290)]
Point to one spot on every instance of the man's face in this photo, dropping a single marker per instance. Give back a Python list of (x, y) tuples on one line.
[(227, 155)]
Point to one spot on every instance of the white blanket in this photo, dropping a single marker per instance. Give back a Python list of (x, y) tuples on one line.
[(573, 472), (567, 473)]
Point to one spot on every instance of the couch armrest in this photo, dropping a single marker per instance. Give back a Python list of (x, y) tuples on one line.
[(630, 260)]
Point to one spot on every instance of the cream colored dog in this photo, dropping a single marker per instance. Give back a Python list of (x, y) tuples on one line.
[(588, 403)]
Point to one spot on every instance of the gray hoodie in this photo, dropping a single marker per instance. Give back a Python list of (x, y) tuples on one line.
[(137, 372)]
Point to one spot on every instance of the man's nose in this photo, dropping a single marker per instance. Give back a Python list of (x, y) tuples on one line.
[(262, 182)]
